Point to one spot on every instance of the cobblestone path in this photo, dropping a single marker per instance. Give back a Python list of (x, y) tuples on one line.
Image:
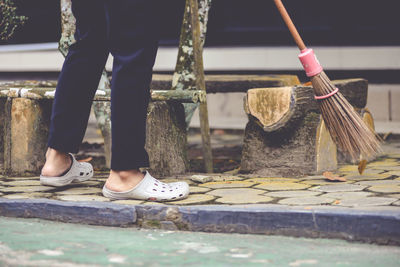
[(378, 186)]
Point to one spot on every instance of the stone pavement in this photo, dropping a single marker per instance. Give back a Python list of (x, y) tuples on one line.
[(379, 185), (364, 207)]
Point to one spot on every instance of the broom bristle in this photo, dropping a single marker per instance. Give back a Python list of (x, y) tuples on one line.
[(345, 125)]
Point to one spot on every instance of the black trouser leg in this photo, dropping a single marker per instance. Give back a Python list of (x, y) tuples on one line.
[(133, 43), (79, 77)]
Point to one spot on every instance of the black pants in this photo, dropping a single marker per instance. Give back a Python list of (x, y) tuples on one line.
[(128, 30)]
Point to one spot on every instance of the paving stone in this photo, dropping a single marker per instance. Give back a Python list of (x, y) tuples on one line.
[(244, 199), (386, 188), (395, 173), (193, 199), (227, 184), (366, 172), (347, 195), (338, 188), (281, 186), (322, 182), (235, 192), (221, 178), (154, 203), (21, 183), (315, 200), (367, 177), (80, 191), (128, 202), (348, 168), (388, 168), (26, 189), (28, 195), (312, 177), (173, 180), (250, 176), (379, 182), (23, 178), (271, 179), (82, 198), (92, 183), (198, 189), (294, 193), (201, 178), (394, 195), (385, 162), (367, 201)]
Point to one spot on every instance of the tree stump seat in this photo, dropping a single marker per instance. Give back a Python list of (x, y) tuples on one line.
[(286, 136)]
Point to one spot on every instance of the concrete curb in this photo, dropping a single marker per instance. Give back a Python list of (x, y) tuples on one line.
[(97, 213), (377, 225)]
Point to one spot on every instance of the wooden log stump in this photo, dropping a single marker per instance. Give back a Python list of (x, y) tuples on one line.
[(166, 138), (26, 134), (285, 135)]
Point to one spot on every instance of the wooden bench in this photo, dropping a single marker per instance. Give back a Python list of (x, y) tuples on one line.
[(24, 141), (286, 136)]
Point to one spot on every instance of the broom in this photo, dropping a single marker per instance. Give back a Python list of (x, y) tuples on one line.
[(344, 124)]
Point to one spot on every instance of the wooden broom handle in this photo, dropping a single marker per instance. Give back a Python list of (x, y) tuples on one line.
[(290, 25)]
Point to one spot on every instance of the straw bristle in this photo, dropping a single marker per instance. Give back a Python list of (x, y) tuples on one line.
[(345, 125)]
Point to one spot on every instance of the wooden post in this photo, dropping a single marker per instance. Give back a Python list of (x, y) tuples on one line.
[(184, 78), (200, 84)]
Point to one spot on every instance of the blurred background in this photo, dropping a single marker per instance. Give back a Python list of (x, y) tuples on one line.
[(358, 38)]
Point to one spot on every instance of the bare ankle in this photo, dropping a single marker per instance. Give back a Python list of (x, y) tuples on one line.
[(57, 162), (124, 180)]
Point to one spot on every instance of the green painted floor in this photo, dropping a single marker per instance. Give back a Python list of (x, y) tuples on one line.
[(32, 242)]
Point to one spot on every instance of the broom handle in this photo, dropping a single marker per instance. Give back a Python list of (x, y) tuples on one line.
[(290, 25)]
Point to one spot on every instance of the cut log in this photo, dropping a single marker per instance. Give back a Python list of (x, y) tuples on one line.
[(285, 135), (278, 109), (26, 135), (368, 118), (166, 138), (288, 154)]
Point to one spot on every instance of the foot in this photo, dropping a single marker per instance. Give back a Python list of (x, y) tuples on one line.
[(120, 181), (62, 169), (57, 163), (135, 186)]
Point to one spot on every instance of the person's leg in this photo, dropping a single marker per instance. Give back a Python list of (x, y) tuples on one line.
[(77, 84), (133, 39)]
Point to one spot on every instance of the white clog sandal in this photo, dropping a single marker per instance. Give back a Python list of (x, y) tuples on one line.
[(151, 189), (79, 172)]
